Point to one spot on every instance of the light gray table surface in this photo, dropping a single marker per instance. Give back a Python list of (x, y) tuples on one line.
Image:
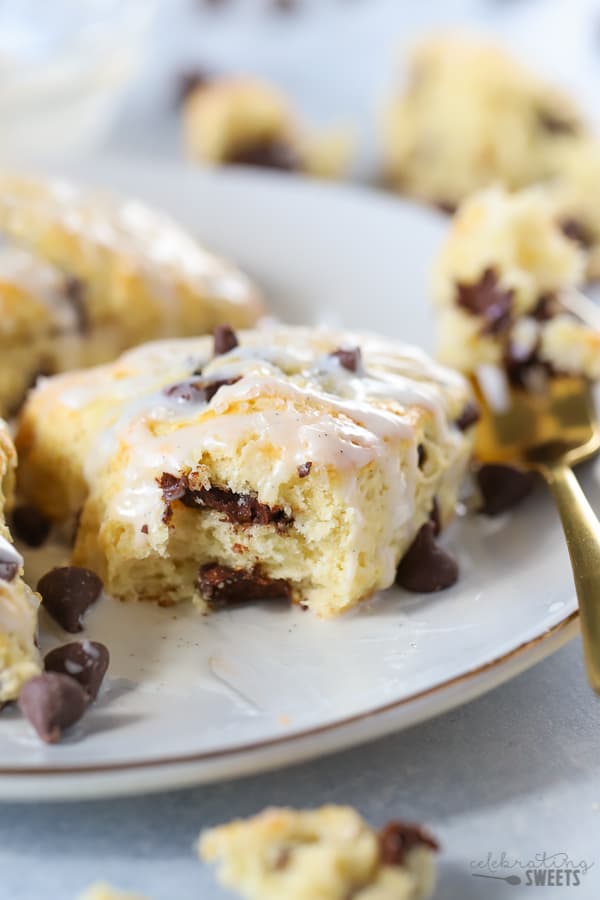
[(515, 771)]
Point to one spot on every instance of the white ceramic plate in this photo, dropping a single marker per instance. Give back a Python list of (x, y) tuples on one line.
[(192, 699)]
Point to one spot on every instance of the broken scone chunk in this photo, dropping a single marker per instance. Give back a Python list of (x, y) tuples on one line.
[(329, 853), (89, 274), (244, 121), (19, 658), (469, 116), (505, 291), (278, 463)]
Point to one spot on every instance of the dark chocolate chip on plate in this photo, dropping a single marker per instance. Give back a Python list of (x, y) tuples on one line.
[(52, 702), (502, 487), (396, 839), (67, 594), (30, 526), (426, 567), (267, 155), (225, 339), (85, 661), (348, 357)]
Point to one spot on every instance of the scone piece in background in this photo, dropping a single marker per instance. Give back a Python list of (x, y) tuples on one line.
[(284, 462), (245, 121), (19, 658), (329, 853), (575, 189), (97, 273), (504, 289), (471, 115)]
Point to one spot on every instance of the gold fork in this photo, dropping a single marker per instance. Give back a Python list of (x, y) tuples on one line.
[(550, 431)]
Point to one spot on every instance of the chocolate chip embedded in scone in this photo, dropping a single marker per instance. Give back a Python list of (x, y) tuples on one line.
[(426, 567), (502, 487), (85, 661), (397, 839), (224, 340), (198, 390), (67, 594), (52, 703), (348, 357), (304, 469), (224, 586), (468, 417), (29, 525), (486, 299)]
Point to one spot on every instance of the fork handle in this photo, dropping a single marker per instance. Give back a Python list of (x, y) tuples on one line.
[(582, 533)]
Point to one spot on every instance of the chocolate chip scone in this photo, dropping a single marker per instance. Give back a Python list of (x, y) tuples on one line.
[(284, 462), (19, 658), (469, 116), (89, 274), (505, 291), (329, 853), (245, 121)]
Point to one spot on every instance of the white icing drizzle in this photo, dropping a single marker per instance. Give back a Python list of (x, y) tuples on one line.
[(292, 396)]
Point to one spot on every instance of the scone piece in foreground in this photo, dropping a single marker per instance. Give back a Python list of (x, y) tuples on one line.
[(329, 853), (109, 272), (504, 289), (245, 121), (469, 116), (19, 658), (284, 462)]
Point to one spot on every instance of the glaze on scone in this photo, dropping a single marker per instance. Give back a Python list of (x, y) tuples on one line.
[(90, 274), (300, 463), (323, 854), (504, 286), (470, 116), (19, 659), (247, 121)]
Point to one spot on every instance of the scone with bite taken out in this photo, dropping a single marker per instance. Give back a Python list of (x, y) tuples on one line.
[(469, 116), (245, 121), (19, 658), (329, 853), (505, 291), (277, 463), (85, 274)]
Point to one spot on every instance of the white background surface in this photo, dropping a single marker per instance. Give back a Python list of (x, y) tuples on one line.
[(518, 770)]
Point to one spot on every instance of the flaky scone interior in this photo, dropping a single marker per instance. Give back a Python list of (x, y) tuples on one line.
[(282, 462)]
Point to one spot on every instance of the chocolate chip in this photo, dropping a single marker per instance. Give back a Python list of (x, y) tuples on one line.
[(75, 293), (425, 567), (554, 123), (270, 154), (304, 469), (434, 517), (577, 231), (396, 839), (242, 509), (421, 455), (144, 529), (547, 307), (189, 81), (30, 525), (486, 299), (349, 358), (85, 661), (198, 390), (224, 586), (225, 339), (67, 594), (173, 487), (52, 703), (9, 569), (468, 417), (502, 487), (445, 206)]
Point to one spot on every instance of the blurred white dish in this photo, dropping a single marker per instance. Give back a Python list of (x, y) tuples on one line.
[(192, 699)]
